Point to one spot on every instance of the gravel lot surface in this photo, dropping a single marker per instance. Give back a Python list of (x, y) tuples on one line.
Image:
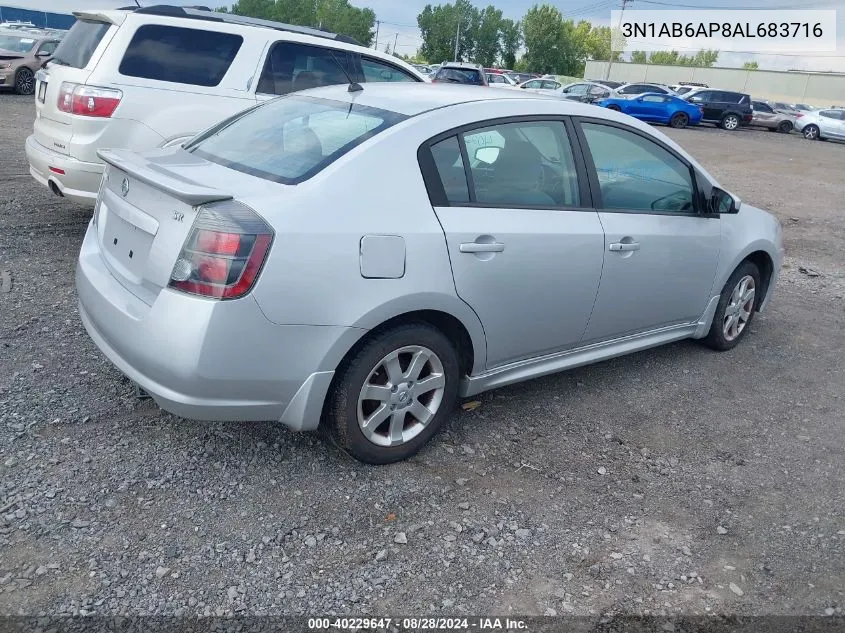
[(676, 480)]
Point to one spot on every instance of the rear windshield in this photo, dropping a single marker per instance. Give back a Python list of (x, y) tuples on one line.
[(459, 75), (16, 44), (77, 47), (292, 138)]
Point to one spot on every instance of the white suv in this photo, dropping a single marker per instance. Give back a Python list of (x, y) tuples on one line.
[(156, 76)]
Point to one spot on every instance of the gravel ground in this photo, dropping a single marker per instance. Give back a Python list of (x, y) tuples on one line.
[(676, 480)]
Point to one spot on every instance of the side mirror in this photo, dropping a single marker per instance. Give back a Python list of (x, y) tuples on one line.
[(722, 202), (487, 155)]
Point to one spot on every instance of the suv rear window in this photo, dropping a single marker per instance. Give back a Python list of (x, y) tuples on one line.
[(77, 47), (291, 139), (179, 55), (460, 75), (291, 67)]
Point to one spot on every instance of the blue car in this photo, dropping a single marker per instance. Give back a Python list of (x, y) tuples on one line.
[(657, 108)]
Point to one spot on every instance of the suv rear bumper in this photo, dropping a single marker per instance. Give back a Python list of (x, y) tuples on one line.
[(74, 179)]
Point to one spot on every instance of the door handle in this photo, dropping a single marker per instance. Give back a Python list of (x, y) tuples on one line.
[(624, 246), (481, 247)]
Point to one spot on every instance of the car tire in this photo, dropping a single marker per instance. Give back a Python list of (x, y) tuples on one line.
[(736, 308), (785, 127), (25, 82), (729, 122), (679, 120), (366, 372), (811, 132)]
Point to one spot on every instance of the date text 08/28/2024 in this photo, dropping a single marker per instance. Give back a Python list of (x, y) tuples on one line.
[(417, 624)]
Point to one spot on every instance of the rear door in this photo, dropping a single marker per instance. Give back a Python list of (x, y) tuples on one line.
[(525, 244), (832, 123), (709, 105), (660, 252), (649, 107), (74, 59), (763, 114)]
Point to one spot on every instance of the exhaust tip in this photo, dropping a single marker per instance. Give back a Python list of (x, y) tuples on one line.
[(55, 189)]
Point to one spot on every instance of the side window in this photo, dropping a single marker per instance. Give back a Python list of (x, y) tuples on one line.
[(47, 48), (636, 174), (654, 99), (180, 55), (450, 168), (831, 114), (375, 70), (578, 89), (762, 107), (522, 164), (291, 67), (551, 85)]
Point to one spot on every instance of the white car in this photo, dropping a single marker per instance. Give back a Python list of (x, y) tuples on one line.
[(153, 77), (822, 124), (500, 80), (360, 257), (540, 85), (629, 91)]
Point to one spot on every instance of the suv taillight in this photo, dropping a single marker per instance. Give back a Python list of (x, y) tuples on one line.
[(224, 252), (88, 100)]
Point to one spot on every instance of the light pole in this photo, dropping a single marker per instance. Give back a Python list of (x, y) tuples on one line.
[(618, 28), (457, 37)]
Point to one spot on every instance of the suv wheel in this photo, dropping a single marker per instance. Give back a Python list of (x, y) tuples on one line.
[(394, 394), (25, 82), (811, 133), (730, 122)]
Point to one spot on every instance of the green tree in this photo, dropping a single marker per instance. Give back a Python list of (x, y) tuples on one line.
[(751, 66), (639, 57), (542, 29), (488, 43), (511, 39), (439, 26)]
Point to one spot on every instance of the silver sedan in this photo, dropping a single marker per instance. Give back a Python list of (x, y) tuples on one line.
[(358, 259)]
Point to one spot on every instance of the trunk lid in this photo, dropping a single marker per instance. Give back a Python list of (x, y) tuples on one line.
[(74, 60), (147, 205)]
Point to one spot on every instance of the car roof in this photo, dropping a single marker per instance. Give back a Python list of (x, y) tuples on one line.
[(411, 99)]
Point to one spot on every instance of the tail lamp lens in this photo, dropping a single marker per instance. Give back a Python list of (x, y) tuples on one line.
[(224, 252), (88, 100)]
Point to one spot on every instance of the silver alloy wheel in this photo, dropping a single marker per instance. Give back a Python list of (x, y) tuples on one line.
[(25, 82), (401, 395), (811, 132), (731, 122), (739, 308)]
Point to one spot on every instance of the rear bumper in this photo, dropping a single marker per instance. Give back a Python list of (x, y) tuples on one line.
[(79, 181), (205, 359)]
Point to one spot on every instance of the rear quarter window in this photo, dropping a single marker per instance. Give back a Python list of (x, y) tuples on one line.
[(78, 46), (179, 55)]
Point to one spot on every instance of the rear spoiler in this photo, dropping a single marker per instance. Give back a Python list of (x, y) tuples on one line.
[(113, 16), (157, 176)]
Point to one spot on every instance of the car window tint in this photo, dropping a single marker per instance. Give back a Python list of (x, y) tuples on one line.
[(654, 99), (47, 47), (459, 75), (375, 70), (636, 174), (291, 67), (78, 46), (291, 139), (180, 55), (450, 168), (831, 114), (578, 89), (657, 89), (522, 164)]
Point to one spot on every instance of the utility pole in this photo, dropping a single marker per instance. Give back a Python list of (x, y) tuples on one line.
[(618, 28), (378, 24), (457, 37), (395, 41)]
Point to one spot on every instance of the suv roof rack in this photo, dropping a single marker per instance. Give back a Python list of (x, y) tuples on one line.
[(204, 13)]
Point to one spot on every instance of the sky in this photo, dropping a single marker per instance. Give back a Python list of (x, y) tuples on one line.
[(398, 21)]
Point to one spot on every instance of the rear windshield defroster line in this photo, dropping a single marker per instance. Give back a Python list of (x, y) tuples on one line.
[(292, 138)]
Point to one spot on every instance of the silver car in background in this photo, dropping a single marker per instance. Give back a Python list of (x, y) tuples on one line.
[(821, 125), (270, 270)]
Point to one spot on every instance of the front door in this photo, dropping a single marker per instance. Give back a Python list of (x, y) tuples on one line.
[(711, 110), (525, 246), (660, 253)]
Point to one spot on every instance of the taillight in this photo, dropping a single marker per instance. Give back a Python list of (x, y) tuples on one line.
[(224, 252), (88, 100)]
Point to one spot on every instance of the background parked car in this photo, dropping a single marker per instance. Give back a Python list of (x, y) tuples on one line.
[(632, 90), (803, 107), (584, 91), (822, 125), (656, 108), (22, 53), (108, 87), (766, 116), (460, 73), (613, 85), (500, 80), (521, 78), (729, 110), (540, 85)]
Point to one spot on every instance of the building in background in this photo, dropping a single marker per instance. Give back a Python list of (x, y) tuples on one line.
[(813, 88), (41, 19)]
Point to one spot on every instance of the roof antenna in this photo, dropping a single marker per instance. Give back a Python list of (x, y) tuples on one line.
[(354, 86), (138, 3)]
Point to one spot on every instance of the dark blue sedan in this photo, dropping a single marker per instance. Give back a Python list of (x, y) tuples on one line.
[(657, 108)]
